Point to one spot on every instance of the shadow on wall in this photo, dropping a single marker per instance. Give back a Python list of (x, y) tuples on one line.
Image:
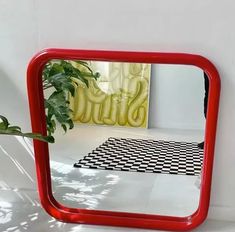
[(13, 105), (16, 161)]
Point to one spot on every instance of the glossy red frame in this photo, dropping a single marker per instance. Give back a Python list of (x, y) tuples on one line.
[(75, 215)]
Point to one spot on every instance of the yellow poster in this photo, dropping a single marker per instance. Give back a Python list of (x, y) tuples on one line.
[(120, 96)]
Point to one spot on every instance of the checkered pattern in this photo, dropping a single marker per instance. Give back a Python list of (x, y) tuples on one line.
[(138, 155)]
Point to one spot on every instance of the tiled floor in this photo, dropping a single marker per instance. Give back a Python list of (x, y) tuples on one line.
[(84, 138), (145, 155)]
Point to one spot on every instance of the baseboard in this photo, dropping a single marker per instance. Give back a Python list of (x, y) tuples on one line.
[(222, 213)]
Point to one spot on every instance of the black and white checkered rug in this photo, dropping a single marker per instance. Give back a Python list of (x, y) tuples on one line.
[(139, 155)]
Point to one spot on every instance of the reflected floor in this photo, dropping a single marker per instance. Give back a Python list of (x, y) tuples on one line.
[(20, 208), (22, 216), (149, 193)]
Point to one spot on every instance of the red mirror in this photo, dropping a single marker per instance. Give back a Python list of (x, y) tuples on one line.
[(118, 157)]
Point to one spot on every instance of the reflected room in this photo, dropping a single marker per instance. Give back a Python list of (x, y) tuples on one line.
[(128, 136)]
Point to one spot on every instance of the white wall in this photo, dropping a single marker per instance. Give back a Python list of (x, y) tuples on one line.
[(177, 97), (18, 42), (203, 27)]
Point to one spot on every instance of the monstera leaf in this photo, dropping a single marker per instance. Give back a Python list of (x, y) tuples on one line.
[(61, 77), (58, 107), (61, 74), (6, 129)]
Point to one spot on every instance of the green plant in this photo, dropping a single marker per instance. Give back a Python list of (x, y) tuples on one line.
[(59, 78), (6, 129)]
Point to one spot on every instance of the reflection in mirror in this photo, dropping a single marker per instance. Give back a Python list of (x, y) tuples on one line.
[(134, 139)]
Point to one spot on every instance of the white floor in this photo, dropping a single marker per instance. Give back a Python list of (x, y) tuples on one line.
[(24, 213), (20, 209), (164, 194), (83, 138), (124, 191)]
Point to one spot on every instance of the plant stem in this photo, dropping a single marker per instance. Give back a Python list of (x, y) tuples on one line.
[(47, 87)]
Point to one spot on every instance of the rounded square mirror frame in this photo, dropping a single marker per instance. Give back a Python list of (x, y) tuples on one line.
[(98, 217)]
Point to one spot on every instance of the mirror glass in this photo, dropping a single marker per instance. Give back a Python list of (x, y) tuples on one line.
[(128, 136)]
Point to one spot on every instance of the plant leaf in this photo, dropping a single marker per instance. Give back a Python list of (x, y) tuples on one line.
[(14, 128), (5, 129), (55, 69), (48, 139), (63, 76), (4, 124), (64, 127)]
